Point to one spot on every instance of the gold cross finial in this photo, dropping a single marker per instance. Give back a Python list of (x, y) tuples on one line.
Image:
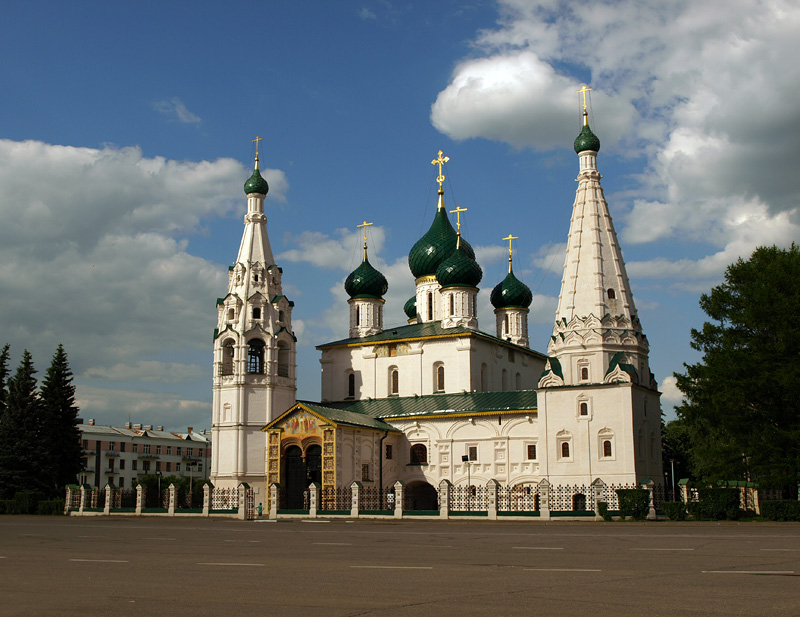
[(365, 225), (256, 140), (510, 238), (458, 212), (440, 161), (584, 89)]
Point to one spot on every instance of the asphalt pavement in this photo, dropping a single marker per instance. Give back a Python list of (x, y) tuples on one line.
[(197, 567)]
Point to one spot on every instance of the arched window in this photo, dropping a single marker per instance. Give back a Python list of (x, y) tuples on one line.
[(430, 306), (518, 382), (256, 312), (504, 380), (283, 359), (351, 385), (584, 408), (280, 316), (440, 378), (394, 381), (452, 304), (505, 323), (578, 502), (226, 368), (607, 448), (584, 374), (564, 449), (611, 294), (358, 315), (255, 357), (418, 454)]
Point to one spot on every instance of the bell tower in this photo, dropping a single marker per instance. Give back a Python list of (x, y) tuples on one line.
[(254, 351)]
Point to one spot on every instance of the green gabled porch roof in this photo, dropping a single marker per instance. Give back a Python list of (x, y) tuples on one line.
[(436, 405), (336, 416), (430, 329)]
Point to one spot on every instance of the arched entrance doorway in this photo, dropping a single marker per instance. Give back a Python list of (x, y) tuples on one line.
[(295, 478), (300, 472), (421, 496)]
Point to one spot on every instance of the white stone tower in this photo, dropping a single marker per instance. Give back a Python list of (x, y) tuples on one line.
[(598, 404), (254, 352)]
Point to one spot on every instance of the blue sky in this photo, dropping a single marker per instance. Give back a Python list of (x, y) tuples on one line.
[(126, 132)]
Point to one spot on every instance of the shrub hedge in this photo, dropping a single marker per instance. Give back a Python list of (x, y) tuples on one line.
[(781, 510), (633, 502), (716, 504), (51, 507), (675, 510), (602, 508)]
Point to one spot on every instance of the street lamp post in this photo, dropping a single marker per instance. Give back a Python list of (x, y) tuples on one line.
[(465, 459)]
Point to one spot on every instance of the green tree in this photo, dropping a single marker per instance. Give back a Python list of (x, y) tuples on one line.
[(23, 455), (62, 437), (742, 400), (3, 378)]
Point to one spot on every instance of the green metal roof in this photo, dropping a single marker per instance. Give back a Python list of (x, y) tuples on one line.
[(366, 282), (511, 292), (256, 184), (338, 416), (435, 246), (441, 404), (428, 329), (459, 270)]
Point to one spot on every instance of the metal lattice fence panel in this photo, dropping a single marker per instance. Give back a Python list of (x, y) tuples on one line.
[(519, 498), (333, 498), (465, 498), (571, 498), (224, 499), (375, 498), (98, 499), (127, 498), (75, 500)]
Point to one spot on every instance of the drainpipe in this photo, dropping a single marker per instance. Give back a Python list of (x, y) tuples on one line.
[(380, 459)]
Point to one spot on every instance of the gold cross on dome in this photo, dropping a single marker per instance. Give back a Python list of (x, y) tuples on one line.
[(256, 140), (458, 212), (365, 225), (584, 89), (510, 238), (440, 161)]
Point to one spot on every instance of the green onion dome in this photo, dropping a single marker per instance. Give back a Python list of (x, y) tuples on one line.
[(256, 184), (410, 307), (366, 282), (459, 270), (511, 292), (587, 140), (435, 246)]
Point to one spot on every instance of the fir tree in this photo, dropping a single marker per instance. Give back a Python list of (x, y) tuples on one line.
[(61, 435), (3, 377), (23, 455)]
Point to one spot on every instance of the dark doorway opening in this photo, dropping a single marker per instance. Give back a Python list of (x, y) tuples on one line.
[(295, 478)]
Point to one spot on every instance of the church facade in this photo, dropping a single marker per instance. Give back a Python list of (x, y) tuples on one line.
[(437, 399)]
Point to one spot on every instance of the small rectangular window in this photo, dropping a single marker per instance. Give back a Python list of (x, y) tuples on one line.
[(158, 449), (189, 451), (177, 466), (169, 466), (388, 452), (146, 465), (169, 450), (472, 452), (531, 451), (122, 463), (112, 446), (122, 446), (122, 482), (134, 465), (178, 450), (158, 465), (135, 448), (365, 473)]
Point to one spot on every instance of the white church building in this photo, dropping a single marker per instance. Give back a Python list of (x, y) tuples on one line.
[(438, 399)]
